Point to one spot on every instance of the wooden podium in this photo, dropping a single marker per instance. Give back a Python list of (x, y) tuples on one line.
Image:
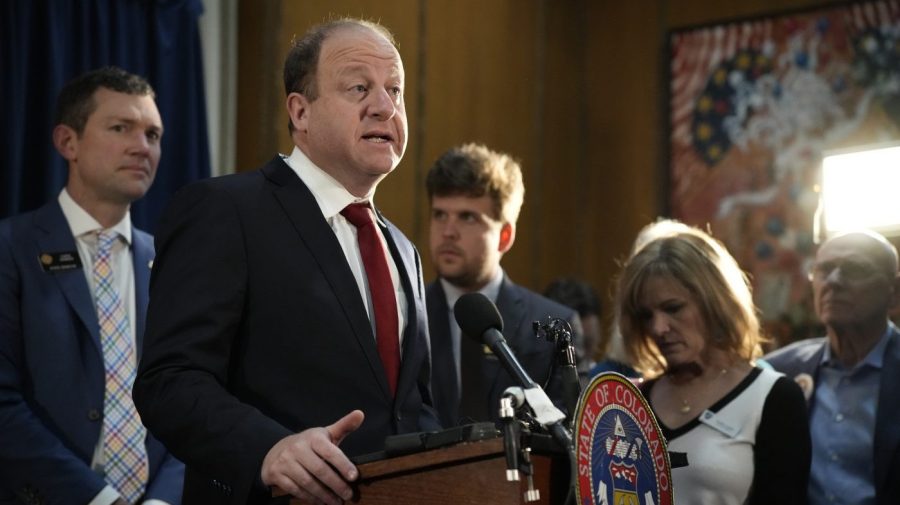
[(466, 473)]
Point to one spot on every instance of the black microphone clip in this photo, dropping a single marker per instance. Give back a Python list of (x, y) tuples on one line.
[(479, 318), (559, 332)]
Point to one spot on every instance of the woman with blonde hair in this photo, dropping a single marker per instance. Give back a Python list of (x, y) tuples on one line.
[(690, 327)]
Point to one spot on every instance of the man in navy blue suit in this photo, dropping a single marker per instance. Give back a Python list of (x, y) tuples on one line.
[(65, 404), (476, 195), (269, 360), (851, 377)]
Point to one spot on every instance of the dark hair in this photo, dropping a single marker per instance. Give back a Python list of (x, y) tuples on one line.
[(576, 294), (473, 170), (75, 102)]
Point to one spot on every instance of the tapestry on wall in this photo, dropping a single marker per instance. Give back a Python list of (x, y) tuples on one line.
[(753, 105)]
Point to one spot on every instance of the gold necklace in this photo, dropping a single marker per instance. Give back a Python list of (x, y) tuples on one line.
[(686, 407)]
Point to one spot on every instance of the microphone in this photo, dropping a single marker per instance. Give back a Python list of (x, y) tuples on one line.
[(479, 318)]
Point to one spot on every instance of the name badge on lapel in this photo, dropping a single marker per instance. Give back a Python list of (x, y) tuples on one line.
[(59, 261), (715, 422)]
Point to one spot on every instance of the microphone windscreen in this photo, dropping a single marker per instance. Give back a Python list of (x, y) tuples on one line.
[(475, 314)]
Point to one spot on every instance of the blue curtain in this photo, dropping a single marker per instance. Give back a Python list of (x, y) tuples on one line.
[(44, 43)]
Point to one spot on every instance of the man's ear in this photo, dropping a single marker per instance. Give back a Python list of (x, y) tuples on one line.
[(65, 139), (507, 237), (298, 111), (895, 296)]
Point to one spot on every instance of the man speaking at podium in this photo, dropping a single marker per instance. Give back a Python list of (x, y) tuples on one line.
[(287, 327)]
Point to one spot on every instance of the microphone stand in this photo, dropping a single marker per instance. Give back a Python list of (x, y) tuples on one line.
[(515, 442), (478, 317), (559, 332)]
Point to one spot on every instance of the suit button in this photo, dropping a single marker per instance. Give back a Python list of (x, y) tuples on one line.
[(93, 415), (398, 416)]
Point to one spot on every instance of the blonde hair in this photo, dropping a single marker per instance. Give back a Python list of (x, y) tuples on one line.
[(710, 274), (613, 347)]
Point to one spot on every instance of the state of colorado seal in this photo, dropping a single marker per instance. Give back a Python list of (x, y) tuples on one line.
[(622, 457)]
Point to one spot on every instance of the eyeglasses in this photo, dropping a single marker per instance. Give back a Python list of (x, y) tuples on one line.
[(850, 271)]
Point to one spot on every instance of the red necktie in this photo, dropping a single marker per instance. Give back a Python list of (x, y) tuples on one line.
[(381, 287)]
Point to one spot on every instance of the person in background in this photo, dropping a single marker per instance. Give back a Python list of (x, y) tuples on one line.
[(582, 297), (287, 329), (476, 195), (851, 377), (690, 328), (613, 351), (74, 280)]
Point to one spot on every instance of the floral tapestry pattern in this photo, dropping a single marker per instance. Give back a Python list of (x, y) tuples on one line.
[(753, 105)]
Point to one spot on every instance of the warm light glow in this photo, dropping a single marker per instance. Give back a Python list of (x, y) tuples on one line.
[(861, 189)]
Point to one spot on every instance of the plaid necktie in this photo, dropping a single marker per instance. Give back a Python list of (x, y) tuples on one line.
[(381, 287), (123, 441)]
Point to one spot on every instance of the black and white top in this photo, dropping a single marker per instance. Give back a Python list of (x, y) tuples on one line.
[(752, 446)]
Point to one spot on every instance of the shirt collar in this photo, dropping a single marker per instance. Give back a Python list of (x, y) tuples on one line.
[(330, 194), (490, 290), (81, 223), (874, 359)]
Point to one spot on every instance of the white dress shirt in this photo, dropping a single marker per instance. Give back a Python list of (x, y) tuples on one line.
[(84, 228), (332, 197)]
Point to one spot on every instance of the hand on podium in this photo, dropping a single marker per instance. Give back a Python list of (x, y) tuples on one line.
[(310, 466)]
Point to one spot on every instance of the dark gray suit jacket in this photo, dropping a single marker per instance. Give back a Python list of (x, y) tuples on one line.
[(806, 356), (519, 307)]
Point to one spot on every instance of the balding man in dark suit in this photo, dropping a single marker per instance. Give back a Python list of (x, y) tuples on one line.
[(272, 356)]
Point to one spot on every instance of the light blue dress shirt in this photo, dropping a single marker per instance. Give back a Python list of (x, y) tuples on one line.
[(843, 426)]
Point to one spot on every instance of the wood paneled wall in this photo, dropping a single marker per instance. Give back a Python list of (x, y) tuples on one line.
[(573, 88)]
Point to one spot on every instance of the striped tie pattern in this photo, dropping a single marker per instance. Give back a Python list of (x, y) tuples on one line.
[(123, 442)]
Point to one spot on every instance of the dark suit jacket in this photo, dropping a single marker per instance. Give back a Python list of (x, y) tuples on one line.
[(806, 356), (51, 368), (519, 307), (256, 330)]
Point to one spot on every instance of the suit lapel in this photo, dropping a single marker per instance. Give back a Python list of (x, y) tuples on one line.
[(404, 259), (54, 236), (511, 305), (887, 422), (142, 256), (810, 365), (445, 382), (302, 210)]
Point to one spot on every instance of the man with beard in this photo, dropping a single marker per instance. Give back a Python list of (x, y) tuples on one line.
[(475, 196)]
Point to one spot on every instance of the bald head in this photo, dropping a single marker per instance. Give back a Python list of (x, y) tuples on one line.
[(855, 284), (869, 244), (302, 61)]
